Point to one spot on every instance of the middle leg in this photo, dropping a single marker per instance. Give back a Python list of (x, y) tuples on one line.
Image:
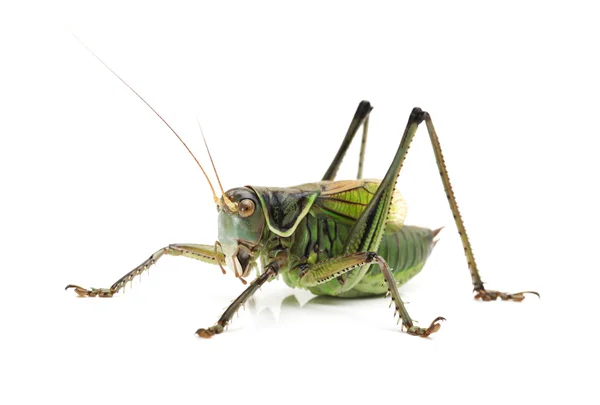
[(312, 275)]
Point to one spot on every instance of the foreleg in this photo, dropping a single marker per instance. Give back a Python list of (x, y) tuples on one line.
[(205, 253), (219, 327)]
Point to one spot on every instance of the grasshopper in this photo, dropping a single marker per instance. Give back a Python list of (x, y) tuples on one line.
[(338, 238)]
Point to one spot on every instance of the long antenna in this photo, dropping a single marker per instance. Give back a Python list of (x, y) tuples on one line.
[(230, 204), (155, 112)]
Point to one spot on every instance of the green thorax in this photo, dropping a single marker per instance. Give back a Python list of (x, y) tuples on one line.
[(311, 223)]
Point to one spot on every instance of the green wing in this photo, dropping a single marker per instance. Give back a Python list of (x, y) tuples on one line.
[(344, 201)]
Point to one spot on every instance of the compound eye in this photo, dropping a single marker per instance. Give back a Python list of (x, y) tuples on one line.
[(246, 208)]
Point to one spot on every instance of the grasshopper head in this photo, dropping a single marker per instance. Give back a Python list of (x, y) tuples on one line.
[(241, 229)]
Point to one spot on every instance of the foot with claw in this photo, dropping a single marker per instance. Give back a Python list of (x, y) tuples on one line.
[(434, 327), (93, 292), (491, 295), (210, 332)]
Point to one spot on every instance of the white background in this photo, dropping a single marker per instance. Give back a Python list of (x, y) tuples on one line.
[(93, 183)]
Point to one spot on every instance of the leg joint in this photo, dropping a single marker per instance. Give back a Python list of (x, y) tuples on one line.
[(371, 256), (417, 115)]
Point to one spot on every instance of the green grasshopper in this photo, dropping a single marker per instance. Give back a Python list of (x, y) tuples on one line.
[(337, 238)]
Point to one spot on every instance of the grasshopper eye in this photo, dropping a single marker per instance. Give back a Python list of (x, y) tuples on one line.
[(246, 208)]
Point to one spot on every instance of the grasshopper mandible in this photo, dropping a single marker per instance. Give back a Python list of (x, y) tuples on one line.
[(337, 238)]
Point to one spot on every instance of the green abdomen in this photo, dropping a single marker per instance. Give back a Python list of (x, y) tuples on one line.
[(405, 251), (321, 238)]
